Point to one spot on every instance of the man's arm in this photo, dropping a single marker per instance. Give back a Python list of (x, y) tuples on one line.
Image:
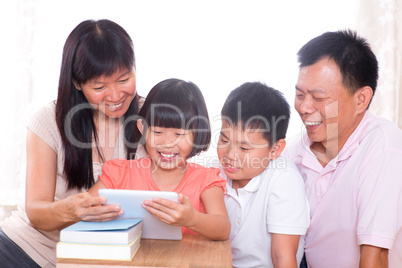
[(373, 257), (284, 249)]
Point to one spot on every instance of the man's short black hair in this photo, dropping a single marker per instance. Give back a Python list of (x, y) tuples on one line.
[(255, 105), (357, 63)]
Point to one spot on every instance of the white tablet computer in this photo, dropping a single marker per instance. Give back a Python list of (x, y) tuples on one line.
[(130, 201)]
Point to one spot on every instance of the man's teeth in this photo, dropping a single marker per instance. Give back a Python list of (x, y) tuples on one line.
[(167, 155), (312, 123)]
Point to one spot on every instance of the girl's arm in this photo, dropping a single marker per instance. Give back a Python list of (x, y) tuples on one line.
[(214, 224), (42, 210), (284, 249)]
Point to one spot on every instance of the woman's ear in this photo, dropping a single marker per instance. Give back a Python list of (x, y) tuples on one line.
[(77, 86), (140, 126), (277, 149)]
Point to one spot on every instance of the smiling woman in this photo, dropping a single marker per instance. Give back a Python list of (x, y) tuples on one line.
[(110, 95), (66, 134)]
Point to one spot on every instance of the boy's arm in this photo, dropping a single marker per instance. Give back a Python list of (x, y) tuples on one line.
[(284, 249)]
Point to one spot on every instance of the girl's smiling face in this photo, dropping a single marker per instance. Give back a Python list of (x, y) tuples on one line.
[(168, 148)]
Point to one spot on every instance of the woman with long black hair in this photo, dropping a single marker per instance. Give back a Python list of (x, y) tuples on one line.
[(68, 140)]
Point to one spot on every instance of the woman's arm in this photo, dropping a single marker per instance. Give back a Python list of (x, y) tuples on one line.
[(284, 250), (43, 212), (214, 224)]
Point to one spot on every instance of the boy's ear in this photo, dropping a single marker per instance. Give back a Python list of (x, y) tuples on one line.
[(140, 126), (277, 149)]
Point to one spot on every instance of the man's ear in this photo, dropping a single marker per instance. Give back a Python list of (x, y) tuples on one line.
[(363, 97), (140, 126), (77, 86), (277, 149)]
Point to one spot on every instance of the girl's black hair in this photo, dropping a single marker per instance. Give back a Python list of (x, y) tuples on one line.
[(93, 49), (174, 103)]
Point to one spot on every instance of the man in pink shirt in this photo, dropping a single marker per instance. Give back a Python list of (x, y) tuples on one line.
[(351, 160)]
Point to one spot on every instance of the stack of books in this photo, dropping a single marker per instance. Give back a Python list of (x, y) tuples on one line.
[(111, 240)]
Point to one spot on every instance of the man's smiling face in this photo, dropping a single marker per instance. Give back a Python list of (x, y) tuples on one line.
[(326, 107)]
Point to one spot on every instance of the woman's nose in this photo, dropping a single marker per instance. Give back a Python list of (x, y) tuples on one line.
[(114, 94)]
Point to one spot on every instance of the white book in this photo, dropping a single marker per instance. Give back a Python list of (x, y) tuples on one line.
[(116, 232), (98, 251)]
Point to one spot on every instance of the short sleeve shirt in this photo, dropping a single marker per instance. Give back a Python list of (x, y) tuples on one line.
[(356, 198), (38, 244), (136, 175), (273, 202)]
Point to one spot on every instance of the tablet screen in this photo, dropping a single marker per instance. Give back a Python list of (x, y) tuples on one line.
[(130, 202)]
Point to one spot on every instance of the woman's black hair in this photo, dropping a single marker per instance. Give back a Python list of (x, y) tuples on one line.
[(93, 49), (174, 103)]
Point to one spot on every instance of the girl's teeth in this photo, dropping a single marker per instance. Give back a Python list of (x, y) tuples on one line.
[(312, 123), (167, 155)]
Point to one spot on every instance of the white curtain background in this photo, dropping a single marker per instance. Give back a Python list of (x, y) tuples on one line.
[(380, 21), (216, 44)]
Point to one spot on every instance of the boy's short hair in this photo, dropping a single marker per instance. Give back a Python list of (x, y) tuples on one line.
[(255, 105)]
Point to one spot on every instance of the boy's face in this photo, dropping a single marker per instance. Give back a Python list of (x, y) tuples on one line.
[(243, 154)]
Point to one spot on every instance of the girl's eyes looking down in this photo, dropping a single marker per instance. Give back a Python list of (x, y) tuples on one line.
[(177, 132)]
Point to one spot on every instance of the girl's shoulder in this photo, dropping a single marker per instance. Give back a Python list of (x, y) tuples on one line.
[(195, 168), (141, 163), (202, 168)]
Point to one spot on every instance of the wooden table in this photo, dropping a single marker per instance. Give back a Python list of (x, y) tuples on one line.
[(192, 251)]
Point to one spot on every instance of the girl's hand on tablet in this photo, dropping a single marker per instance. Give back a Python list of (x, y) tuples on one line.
[(170, 212)]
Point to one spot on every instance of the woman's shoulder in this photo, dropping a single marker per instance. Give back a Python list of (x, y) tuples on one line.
[(45, 112), (43, 123)]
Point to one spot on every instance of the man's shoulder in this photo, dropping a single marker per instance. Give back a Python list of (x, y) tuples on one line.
[(381, 132), (293, 145)]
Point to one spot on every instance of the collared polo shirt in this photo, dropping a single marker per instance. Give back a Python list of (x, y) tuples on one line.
[(356, 198), (272, 202)]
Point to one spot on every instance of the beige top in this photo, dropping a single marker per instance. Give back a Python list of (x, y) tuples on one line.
[(41, 245)]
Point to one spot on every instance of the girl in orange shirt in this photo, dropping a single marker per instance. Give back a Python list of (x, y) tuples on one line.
[(173, 126)]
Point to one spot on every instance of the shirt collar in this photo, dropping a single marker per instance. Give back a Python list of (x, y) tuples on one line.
[(310, 160), (255, 183)]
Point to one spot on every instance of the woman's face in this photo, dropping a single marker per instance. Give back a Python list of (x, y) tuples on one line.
[(111, 95)]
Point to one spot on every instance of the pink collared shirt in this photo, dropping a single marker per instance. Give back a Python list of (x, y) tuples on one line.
[(356, 198)]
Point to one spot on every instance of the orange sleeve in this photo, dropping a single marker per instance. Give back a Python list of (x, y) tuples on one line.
[(115, 173), (212, 179)]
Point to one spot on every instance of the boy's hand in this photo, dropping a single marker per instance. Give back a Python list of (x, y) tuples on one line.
[(170, 212)]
